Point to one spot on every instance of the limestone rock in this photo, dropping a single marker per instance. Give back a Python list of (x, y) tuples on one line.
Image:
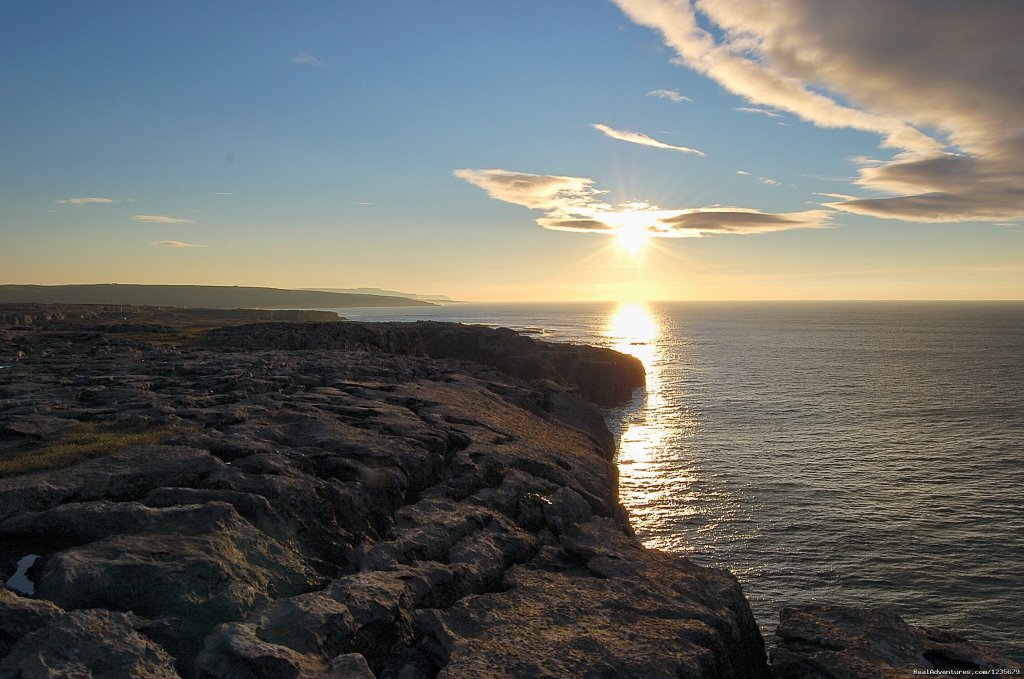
[(824, 640), (128, 474), (20, 615), (653, 615), (601, 375), (91, 644)]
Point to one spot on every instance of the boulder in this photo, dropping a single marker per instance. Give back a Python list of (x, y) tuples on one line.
[(90, 644), (20, 615), (571, 613), (844, 642)]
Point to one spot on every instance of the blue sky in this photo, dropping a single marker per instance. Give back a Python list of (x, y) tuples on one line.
[(317, 148)]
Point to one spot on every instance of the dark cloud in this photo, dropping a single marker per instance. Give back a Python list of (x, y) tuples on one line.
[(736, 221)]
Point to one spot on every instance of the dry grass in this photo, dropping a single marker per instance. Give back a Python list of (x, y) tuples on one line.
[(85, 441)]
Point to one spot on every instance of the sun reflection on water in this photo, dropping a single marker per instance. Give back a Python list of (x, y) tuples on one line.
[(655, 484)]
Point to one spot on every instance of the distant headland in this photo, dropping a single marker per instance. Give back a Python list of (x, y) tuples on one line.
[(387, 293), (199, 296)]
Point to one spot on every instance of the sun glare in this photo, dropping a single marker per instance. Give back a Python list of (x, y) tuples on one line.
[(631, 230), (632, 238), (632, 326)]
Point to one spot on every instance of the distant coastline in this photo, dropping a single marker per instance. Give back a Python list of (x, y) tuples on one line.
[(198, 296)]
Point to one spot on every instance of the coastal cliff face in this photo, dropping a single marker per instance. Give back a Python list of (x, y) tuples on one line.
[(603, 376), (357, 500), (257, 510)]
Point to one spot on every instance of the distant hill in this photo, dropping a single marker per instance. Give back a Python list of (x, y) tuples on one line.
[(386, 293), (198, 296)]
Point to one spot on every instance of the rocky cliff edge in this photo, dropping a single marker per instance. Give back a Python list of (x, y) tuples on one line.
[(252, 508)]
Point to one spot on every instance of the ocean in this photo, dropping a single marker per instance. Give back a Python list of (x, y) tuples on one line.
[(869, 453)]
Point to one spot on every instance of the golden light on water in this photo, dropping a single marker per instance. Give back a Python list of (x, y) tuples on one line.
[(632, 326), (655, 486), (634, 330)]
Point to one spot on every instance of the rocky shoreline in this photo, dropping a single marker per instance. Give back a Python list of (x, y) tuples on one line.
[(334, 499)]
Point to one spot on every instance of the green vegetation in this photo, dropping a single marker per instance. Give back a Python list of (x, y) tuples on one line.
[(85, 441)]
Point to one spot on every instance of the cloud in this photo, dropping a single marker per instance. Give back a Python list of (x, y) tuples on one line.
[(574, 204), (762, 111), (538, 191), (769, 181), (174, 244), (882, 66), (837, 196), (642, 139), (160, 219), (671, 95), (91, 201), (743, 172), (304, 59), (726, 220)]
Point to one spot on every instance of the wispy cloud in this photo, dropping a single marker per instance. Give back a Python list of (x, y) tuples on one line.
[(306, 59), (761, 111), (882, 67), (742, 72), (769, 181), (174, 244), (160, 219), (642, 139), (575, 204), (671, 95), (92, 201), (221, 193), (743, 172)]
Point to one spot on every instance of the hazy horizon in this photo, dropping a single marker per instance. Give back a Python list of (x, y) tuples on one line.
[(622, 150)]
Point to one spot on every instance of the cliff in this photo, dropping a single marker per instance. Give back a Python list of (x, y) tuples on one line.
[(237, 511), (357, 500)]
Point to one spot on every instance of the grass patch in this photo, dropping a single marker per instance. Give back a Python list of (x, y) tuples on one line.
[(84, 441)]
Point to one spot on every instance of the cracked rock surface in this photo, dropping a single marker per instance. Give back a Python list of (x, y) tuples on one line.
[(334, 510)]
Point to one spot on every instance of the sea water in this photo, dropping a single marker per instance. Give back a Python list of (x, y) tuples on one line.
[(862, 453)]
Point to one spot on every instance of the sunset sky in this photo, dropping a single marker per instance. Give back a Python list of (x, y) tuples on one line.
[(535, 150)]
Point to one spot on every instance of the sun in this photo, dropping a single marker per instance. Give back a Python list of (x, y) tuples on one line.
[(631, 230), (632, 237)]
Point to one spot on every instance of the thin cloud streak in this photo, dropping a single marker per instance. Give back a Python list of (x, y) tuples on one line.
[(574, 204), (881, 66), (760, 111), (305, 59), (671, 95), (642, 139), (92, 201), (174, 244), (160, 219)]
